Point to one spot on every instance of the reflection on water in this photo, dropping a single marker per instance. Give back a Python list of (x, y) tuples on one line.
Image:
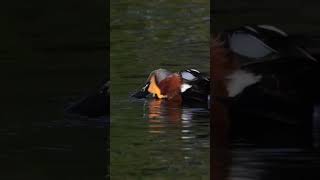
[(167, 141), (189, 127)]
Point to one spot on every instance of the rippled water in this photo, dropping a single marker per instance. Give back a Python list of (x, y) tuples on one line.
[(264, 150), (155, 139), (251, 163)]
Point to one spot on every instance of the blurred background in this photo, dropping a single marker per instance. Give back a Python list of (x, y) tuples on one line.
[(52, 53), (293, 16)]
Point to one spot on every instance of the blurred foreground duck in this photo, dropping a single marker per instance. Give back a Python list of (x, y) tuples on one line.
[(264, 55), (187, 86), (265, 81)]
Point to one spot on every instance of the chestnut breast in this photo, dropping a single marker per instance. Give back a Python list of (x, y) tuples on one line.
[(171, 87)]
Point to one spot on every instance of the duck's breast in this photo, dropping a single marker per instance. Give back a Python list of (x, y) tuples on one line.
[(171, 86)]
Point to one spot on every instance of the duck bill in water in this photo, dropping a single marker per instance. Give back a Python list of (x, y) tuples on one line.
[(143, 93)]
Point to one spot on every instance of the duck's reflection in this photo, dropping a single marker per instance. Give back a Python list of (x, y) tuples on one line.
[(164, 115), (163, 110), (183, 130)]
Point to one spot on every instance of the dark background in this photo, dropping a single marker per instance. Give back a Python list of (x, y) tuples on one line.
[(289, 15), (52, 53)]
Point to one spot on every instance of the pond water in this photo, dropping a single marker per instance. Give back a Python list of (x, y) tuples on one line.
[(153, 139)]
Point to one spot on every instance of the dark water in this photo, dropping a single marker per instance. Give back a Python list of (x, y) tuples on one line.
[(270, 153), (51, 53), (269, 163), (154, 139)]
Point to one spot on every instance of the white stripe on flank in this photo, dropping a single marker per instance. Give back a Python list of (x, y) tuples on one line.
[(184, 87), (239, 80)]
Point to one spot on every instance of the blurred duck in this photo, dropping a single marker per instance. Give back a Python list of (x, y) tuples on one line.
[(188, 86), (262, 54), (264, 77)]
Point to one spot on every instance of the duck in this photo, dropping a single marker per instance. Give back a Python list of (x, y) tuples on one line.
[(245, 56), (186, 86), (264, 80)]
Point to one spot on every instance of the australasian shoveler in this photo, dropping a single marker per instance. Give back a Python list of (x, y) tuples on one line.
[(266, 78), (187, 86), (250, 54)]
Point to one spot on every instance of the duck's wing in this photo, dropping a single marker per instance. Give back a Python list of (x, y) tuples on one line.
[(255, 41), (247, 45), (260, 41), (196, 87)]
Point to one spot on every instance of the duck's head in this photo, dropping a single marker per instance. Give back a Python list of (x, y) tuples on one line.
[(161, 84)]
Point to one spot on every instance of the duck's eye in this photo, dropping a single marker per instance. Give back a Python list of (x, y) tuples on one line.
[(249, 46), (188, 76)]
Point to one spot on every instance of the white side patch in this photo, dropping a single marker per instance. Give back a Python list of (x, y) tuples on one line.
[(184, 87), (239, 80)]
